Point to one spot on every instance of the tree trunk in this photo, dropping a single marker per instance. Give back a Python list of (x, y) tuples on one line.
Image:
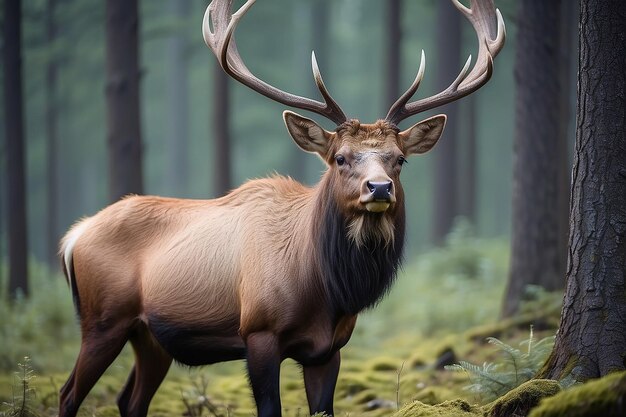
[(591, 340), (302, 19), (14, 134), (536, 243), (467, 206), (122, 93), (178, 102), (392, 65), (52, 235), (445, 198), (221, 122)]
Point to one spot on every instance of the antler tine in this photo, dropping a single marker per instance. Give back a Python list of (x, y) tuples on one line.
[(218, 28), (317, 75), (491, 35), (398, 108)]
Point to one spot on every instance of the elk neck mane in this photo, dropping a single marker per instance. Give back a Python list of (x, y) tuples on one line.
[(356, 271)]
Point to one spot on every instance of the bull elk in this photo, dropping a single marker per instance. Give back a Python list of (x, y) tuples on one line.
[(272, 270)]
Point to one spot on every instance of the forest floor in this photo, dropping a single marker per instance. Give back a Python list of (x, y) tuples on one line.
[(442, 310)]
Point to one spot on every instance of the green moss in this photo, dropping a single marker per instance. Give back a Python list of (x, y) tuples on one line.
[(454, 408), (523, 398), (435, 395), (605, 397), (384, 364), (364, 396), (107, 411), (351, 383)]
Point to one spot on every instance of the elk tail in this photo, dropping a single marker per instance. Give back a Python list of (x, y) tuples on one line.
[(66, 253)]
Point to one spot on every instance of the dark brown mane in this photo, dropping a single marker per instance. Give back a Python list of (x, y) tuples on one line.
[(355, 277)]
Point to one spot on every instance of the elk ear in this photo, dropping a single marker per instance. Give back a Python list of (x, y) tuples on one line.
[(421, 137), (307, 134)]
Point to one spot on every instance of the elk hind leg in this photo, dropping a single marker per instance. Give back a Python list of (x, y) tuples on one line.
[(151, 366), (98, 350)]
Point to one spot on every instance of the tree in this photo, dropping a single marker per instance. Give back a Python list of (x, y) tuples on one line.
[(467, 204), (122, 94), (178, 110), (591, 340), (393, 38), (14, 134), (52, 235), (221, 125), (537, 247), (445, 198)]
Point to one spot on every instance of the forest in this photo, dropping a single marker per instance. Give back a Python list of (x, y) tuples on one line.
[(509, 296)]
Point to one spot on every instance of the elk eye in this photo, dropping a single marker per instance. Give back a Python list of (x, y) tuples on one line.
[(401, 160), (340, 160)]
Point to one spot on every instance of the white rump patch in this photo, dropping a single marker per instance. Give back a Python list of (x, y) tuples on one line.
[(67, 248)]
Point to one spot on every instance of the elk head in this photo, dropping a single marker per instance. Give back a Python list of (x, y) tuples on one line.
[(365, 159)]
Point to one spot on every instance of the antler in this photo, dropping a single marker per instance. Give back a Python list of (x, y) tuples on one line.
[(218, 29), (489, 26)]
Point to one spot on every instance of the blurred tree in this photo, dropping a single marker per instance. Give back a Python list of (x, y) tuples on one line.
[(14, 135), (222, 176), (122, 94), (591, 340), (301, 35), (392, 64), (52, 235), (467, 182), (177, 176), (537, 247), (445, 187)]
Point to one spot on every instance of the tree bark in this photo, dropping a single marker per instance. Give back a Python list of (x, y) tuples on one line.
[(122, 94), (178, 101), (52, 235), (591, 340), (536, 244), (445, 198), (14, 134), (221, 122), (393, 32)]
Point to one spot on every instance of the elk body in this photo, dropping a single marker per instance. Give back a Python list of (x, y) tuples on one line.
[(274, 269)]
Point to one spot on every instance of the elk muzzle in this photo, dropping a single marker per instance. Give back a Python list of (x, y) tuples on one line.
[(377, 195)]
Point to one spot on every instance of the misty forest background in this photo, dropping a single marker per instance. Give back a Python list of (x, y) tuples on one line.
[(487, 209), (178, 86)]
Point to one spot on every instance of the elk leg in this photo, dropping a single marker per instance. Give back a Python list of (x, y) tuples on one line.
[(151, 366), (264, 372), (97, 351), (123, 399), (319, 383)]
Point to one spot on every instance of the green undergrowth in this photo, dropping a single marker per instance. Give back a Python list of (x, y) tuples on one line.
[(43, 326), (604, 397), (441, 310), (514, 367)]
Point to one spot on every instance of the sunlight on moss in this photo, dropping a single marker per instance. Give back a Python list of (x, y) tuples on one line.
[(523, 398), (604, 397)]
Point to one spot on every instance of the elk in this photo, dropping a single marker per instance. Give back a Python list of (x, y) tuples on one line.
[(272, 270)]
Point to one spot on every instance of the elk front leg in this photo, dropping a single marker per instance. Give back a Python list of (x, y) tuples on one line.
[(319, 382), (264, 372)]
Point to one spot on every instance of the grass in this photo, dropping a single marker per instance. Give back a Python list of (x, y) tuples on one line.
[(435, 305)]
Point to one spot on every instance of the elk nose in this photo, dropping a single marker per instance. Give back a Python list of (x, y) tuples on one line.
[(380, 190)]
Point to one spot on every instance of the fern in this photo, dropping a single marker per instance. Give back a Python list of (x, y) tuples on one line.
[(23, 393), (517, 366)]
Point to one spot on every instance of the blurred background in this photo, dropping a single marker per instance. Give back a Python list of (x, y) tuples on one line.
[(487, 207), (178, 86)]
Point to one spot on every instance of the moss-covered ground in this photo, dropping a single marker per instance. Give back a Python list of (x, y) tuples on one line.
[(442, 308)]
